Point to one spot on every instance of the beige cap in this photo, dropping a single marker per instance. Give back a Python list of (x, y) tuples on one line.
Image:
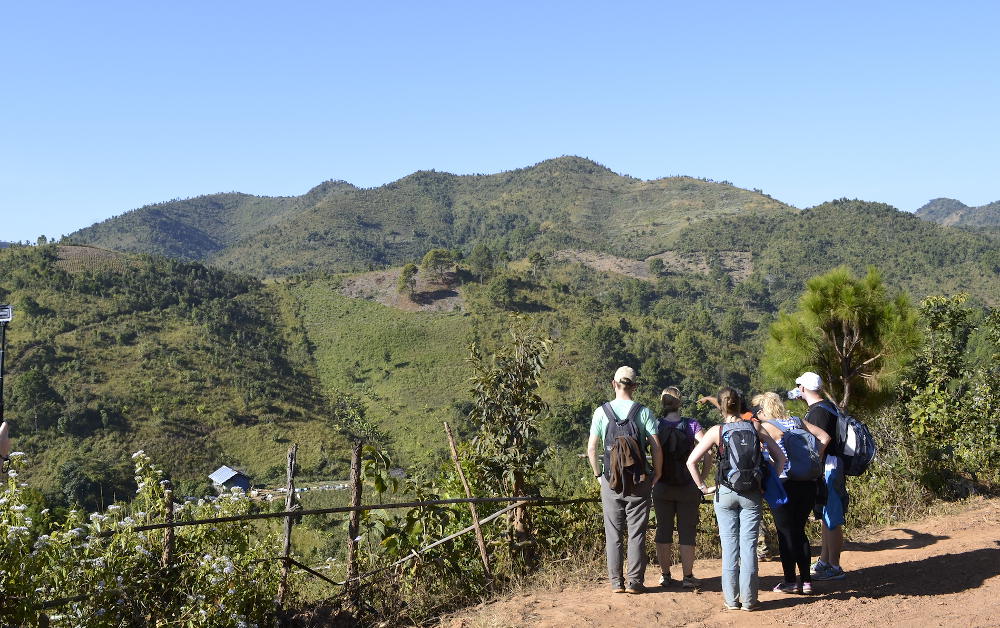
[(625, 375)]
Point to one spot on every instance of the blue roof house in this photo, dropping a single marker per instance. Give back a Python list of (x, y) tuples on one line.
[(226, 478)]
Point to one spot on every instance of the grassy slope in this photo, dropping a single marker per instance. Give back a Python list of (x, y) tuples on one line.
[(411, 393)]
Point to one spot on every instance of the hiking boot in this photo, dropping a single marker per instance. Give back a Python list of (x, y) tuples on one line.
[(818, 566), (690, 582), (786, 587), (830, 573), (666, 580), (618, 589), (807, 588), (636, 588)]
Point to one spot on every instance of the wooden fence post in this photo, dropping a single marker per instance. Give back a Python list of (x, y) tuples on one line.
[(468, 493), (355, 520), (168, 517), (289, 504)]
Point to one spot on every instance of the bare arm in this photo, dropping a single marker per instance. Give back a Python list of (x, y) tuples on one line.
[(654, 450), (821, 435), (707, 459), (592, 453), (4, 439), (777, 456), (709, 399), (709, 439)]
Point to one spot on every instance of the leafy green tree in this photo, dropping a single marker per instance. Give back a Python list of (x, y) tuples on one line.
[(500, 291), (436, 262), (656, 267), (508, 408), (407, 279), (850, 332), (34, 401), (481, 261)]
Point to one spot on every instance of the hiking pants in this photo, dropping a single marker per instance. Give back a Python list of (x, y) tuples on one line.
[(625, 516), (739, 516), (790, 520)]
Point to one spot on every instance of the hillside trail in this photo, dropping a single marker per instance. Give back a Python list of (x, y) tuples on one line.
[(940, 571)]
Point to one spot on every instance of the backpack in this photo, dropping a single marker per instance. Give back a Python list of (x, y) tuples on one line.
[(676, 443), (802, 450), (624, 463), (853, 442), (739, 457)]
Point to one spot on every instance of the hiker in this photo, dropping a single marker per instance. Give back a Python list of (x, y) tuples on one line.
[(676, 496), (790, 519), (623, 429), (809, 386), (738, 495), (4, 444)]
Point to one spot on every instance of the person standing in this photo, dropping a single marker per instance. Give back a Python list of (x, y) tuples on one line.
[(675, 496), (738, 495), (823, 415), (790, 519), (626, 510)]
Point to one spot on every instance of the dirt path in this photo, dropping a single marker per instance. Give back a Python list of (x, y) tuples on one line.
[(941, 571)]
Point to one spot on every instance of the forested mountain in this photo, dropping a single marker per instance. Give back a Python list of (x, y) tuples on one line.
[(952, 213), (913, 254), (108, 354), (560, 203)]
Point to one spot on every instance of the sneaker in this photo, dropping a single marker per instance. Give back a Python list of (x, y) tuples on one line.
[(666, 580), (786, 587), (807, 588), (636, 588), (818, 566), (690, 582), (731, 607), (751, 607), (619, 589), (830, 573)]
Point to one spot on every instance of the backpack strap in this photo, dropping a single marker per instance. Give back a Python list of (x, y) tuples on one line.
[(610, 412), (777, 425), (633, 412)]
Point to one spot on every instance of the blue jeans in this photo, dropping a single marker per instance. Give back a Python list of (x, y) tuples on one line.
[(739, 516)]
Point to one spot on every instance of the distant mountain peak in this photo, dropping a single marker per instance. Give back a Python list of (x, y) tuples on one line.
[(953, 213)]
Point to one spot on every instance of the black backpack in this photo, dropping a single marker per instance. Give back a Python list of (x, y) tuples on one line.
[(853, 442), (616, 428), (739, 457), (676, 443)]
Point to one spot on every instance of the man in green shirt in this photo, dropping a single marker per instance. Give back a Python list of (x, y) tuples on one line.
[(625, 513)]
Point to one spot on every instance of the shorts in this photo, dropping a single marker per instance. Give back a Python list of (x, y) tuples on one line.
[(682, 503), (840, 483)]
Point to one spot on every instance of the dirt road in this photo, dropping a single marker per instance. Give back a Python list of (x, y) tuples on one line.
[(941, 571)]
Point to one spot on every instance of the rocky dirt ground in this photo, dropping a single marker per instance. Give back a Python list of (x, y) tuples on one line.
[(941, 571)]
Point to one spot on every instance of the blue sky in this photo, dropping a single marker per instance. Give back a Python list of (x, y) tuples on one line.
[(108, 106)]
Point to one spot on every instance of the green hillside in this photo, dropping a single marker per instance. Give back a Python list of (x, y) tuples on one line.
[(110, 354), (952, 213), (559, 203), (918, 256)]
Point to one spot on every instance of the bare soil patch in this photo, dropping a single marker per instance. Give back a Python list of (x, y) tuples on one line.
[(737, 264), (381, 286), (941, 571)]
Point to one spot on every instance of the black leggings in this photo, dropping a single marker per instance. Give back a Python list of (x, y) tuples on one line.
[(790, 520)]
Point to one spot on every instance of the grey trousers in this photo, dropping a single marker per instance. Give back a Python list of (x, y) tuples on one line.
[(625, 516)]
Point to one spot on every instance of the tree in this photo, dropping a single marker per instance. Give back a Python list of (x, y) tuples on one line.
[(436, 262), (656, 266), (507, 409), (480, 261), (500, 291), (850, 332), (407, 279)]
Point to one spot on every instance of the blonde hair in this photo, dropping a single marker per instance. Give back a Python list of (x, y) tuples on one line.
[(670, 400), (771, 405)]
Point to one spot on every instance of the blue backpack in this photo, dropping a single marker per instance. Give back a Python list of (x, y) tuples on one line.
[(802, 450)]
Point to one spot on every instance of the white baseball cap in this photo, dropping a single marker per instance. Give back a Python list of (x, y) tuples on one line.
[(810, 381)]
